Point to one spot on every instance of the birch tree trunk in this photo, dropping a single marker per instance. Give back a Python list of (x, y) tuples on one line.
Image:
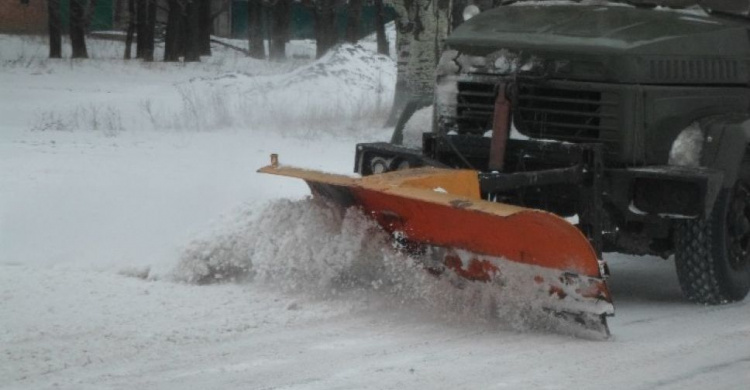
[(422, 25)]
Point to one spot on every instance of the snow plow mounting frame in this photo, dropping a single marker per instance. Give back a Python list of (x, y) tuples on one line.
[(529, 165)]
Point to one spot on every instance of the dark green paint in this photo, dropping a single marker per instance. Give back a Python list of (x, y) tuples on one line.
[(668, 70), (597, 29), (102, 19)]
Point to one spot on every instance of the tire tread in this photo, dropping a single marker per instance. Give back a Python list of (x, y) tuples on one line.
[(695, 262)]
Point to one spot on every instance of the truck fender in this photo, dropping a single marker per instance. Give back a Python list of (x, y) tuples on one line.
[(726, 141)]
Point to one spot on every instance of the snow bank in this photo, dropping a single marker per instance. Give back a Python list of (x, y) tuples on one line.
[(418, 124), (306, 245), (349, 87), (348, 90), (31, 52)]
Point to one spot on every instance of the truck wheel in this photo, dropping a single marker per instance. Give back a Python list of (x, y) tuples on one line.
[(712, 255)]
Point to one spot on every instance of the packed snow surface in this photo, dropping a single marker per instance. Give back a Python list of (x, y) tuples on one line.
[(140, 249)]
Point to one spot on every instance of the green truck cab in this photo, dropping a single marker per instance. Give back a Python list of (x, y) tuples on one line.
[(635, 121)]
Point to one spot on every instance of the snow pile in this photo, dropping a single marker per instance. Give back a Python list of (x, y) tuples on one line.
[(317, 249), (225, 258), (349, 86), (306, 245), (370, 42), (418, 124), (342, 68), (348, 90)]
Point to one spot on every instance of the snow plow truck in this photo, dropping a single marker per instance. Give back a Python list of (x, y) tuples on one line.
[(561, 132)]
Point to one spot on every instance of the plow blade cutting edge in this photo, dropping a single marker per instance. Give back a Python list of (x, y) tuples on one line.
[(551, 263)]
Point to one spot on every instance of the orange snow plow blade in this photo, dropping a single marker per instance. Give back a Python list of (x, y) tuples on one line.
[(545, 257)]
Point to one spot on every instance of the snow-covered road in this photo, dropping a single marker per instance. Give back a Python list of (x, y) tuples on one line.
[(94, 226), (78, 328)]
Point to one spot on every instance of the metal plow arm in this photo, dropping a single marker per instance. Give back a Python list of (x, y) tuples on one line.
[(479, 240)]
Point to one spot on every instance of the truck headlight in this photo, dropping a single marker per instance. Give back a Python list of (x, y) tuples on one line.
[(687, 147), (470, 11)]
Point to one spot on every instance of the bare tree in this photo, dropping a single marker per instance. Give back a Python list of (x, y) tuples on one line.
[(383, 45), (255, 30), (353, 20), (188, 30), (117, 13), (282, 10), (78, 28), (145, 16), (53, 25), (325, 26), (192, 23), (174, 42), (148, 54), (131, 30), (141, 11), (205, 26)]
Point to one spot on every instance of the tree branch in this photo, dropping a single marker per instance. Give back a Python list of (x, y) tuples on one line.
[(239, 49)]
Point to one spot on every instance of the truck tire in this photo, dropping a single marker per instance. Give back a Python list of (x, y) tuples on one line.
[(712, 255)]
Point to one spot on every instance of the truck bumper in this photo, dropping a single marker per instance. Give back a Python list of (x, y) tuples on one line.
[(664, 191)]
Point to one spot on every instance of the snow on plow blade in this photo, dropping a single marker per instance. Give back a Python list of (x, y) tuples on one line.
[(539, 255)]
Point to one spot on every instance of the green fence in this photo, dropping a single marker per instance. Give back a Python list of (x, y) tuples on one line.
[(101, 20), (303, 24)]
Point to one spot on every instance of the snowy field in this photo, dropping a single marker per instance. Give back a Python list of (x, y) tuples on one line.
[(139, 248)]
